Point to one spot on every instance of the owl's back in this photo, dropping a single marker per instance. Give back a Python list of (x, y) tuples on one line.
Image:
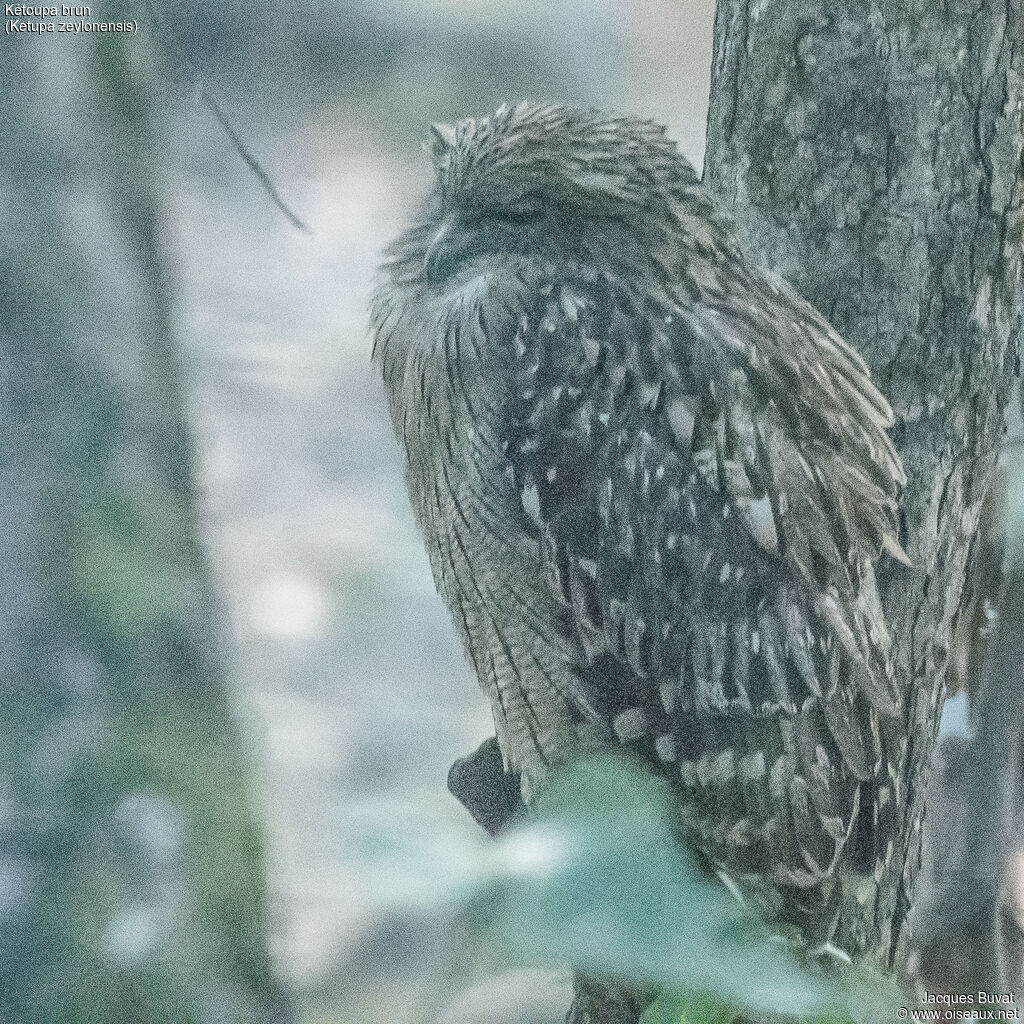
[(653, 488)]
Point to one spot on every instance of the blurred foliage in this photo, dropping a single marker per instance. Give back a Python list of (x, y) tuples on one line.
[(701, 1008), (599, 878), (596, 877), (131, 869)]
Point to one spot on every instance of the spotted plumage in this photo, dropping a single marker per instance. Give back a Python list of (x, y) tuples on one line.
[(653, 483)]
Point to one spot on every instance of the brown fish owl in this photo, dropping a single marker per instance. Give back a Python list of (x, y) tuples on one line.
[(653, 483)]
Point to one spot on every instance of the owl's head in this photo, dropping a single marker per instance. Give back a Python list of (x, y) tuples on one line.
[(547, 181)]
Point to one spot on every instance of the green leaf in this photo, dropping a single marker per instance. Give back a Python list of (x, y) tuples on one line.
[(600, 879), (597, 877)]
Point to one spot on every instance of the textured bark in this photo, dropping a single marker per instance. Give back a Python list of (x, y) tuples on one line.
[(131, 872), (967, 929), (871, 154)]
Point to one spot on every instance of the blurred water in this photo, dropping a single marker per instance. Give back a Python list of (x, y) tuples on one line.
[(347, 668)]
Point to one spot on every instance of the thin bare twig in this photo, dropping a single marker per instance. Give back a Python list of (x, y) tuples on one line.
[(253, 164), (174, 49)]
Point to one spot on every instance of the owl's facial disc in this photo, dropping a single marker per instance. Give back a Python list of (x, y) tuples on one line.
[(466, 234), (548, 183)]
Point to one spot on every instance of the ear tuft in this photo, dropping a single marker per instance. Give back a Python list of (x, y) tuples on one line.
[(443, 137)]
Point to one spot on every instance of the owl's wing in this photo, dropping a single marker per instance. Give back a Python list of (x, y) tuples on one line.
[(710, 486)]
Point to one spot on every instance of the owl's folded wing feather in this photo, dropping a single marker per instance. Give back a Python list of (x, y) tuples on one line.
[(710, 486)]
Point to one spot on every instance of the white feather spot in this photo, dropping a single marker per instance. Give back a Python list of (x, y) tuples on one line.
[(630, 725), (733, 888), (681, 419), (551, 474), (760, 520), (752, 766), (828, 949), (668, 697), (665, 747), (648, 393), (723, 768), (726, 572), (531, 502)]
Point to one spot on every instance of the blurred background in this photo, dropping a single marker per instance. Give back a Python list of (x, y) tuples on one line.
[(349, 676), (230, 695)]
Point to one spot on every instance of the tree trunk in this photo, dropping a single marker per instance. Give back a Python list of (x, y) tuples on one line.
[(131, 873), (871, 153)]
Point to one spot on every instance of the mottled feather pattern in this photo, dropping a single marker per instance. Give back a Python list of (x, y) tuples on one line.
[(694, 598), (653, 484)]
